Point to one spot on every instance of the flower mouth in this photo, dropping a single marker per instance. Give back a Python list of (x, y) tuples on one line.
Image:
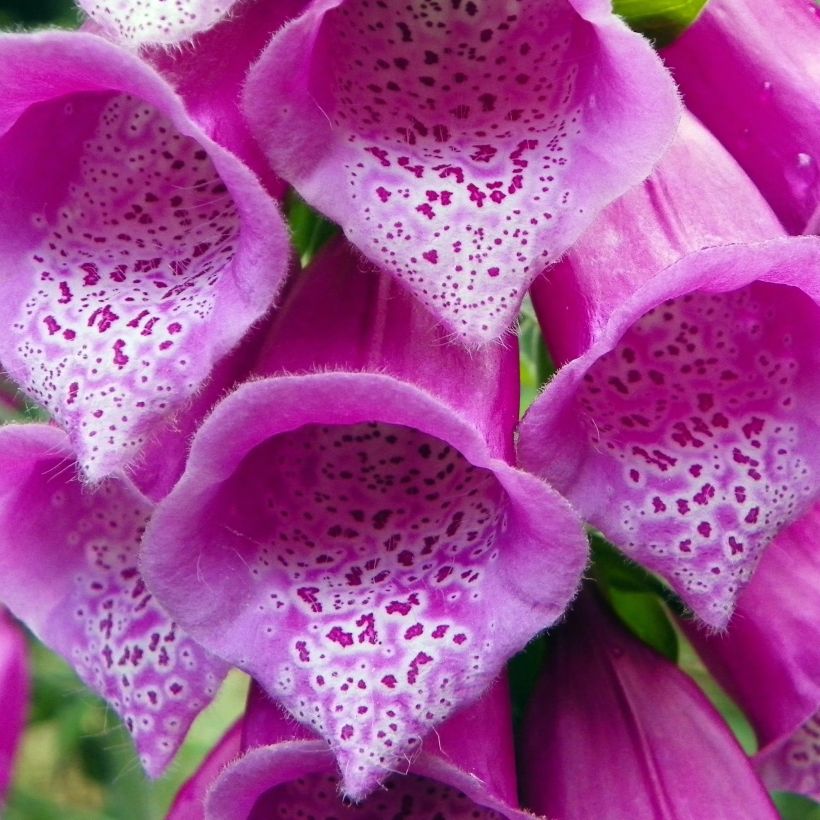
[(410, 795), (366, 547), (704, 414), (125, 247)]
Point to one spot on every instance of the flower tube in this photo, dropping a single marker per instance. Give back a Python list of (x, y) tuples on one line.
[(466, 770), (687, 429), (461, 146), (750, 69), (136, 251), (615, 730), (347, 528), (68, 570), (14, 690)]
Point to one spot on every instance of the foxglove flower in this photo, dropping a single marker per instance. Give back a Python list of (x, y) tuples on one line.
[(346, 528), (688, 431), (750, 69), (465, 145), (136, 251), (139, 22), (466, 770), (615, 730), (769, 660), (68, 570), (13, 697)]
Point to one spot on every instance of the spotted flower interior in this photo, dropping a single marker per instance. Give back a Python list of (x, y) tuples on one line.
[(703, 419), (449, 139), (317, 796), (118, 269), (369, 551), (155, 21), (70, 571)]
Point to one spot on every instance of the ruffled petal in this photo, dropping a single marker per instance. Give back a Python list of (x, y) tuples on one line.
[(461, 146), (615, 730), (345, 535), (750, 69), (287, 770), (68, 569), (139, 22), (688, 432), (136, 250), (14, 691)]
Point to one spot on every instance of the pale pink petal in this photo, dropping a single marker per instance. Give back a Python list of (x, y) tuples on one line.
[(136, 251), (68, 570), (464, 146), (688, 433)]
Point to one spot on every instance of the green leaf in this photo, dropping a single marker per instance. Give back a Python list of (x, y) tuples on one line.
[(662, 21), (796, 807), (645, 616), (309, 230)]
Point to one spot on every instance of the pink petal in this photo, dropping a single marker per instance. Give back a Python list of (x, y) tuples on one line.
[(137, 251), (209, 73), (688, 432), (190, 800), (750, 69), (681, 208), (616, 731), (68, 570), (14, 691), (464, 147), (768, 659), (155, 21), (345, 532), (288, 770)]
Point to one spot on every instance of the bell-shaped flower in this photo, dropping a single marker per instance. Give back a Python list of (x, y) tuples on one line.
[(750, 69), (461, 147), (167, 22), (687, 432), (14, 690), (135, 250), (465, 771), (615, 730), (350, 530), (68, 570), (769, 658)]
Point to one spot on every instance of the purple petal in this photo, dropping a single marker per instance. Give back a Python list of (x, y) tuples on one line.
[(287, 770), (345, 532), (769, 658), (750, 69), (464, 147), (68, 570), (155, 21), (616, 731), (209, 73), (14, 691), (794, 764), (190, 800), (681, 208), (688, 432), (137, 250)]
